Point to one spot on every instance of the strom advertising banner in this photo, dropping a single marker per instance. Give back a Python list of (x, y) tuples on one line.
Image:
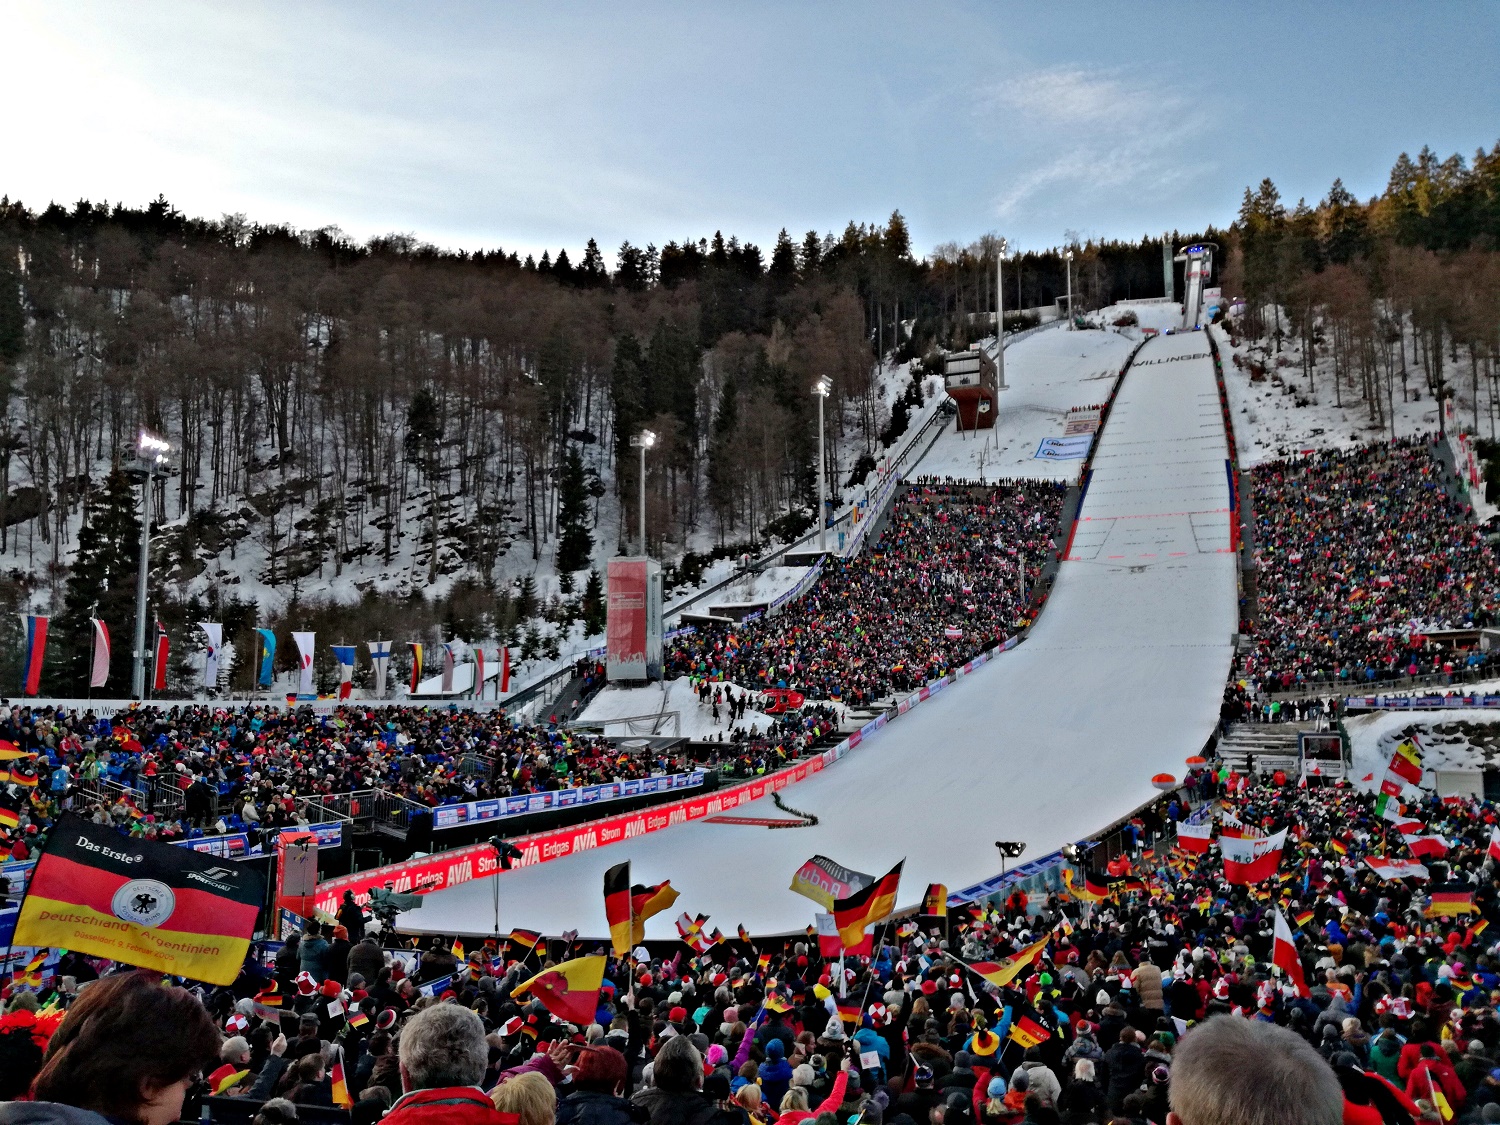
[(633, 626)]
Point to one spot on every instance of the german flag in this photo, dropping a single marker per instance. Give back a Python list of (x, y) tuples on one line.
[(10, 814), (357, 1018), (570, 990), (776, 1002), (10, 752), (1025, 1030), (935, 901), (6, 845), (1001, 973), (744, 934), (270, 996), (1095, 887), (1339, 846), (24, 773), (148, 904), (764, 962), (849, 1013), (1475, 930), (30, 974), (457, 949), (1303, 918), (526, 939), (340, 1088), (1448, 900), (647, 902), (617, 907), (867, 907)]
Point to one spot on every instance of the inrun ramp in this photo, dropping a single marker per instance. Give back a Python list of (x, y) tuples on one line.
[(1121, 678)]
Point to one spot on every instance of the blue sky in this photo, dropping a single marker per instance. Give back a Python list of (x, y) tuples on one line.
[(540, 125)]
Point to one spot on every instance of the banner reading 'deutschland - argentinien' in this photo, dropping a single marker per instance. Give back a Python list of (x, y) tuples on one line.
[(143, 903)]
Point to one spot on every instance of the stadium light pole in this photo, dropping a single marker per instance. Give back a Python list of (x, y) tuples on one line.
[(1068, 257), (151, 454), (643, 441), (821, 389), (1000, 313)]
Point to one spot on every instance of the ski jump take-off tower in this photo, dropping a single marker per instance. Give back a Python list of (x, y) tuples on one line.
[(1199, 259)]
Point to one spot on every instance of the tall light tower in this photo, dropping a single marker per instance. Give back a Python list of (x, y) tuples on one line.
[(643, 441), (1068, 257), (1000, 314), (821, 389), (152, 461)]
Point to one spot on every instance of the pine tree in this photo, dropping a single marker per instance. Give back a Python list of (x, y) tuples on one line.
[(101, 583), (783, 271), (526, 603), (574, 542), (591, 273), (593, 603)]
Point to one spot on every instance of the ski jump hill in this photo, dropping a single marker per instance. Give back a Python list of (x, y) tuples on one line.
[(1120, 678)]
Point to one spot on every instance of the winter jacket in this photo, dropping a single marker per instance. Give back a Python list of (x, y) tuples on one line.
[(48, 1113), (1385, 1056), (668, 1108), (367, 961), (310, 957), (1147, 980), (775, 1080), (585, 1107), (1043, 1081), (1127, 1067), (448, 1105)]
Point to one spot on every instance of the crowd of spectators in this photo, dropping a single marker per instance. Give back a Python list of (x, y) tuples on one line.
[(1160, 1000), (952, 573), (1361, 554)]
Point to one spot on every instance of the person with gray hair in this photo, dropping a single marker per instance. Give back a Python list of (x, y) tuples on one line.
[(443, 1055), (1233, 1071)]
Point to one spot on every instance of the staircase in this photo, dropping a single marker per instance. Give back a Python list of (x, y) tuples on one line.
[(1271, 746)]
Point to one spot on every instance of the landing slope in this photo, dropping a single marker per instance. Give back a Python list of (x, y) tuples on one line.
[(1120, 679)]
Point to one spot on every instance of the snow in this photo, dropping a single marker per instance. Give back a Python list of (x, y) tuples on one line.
[(1464, 739), (1268, 423), (695, 720), (759, 588), (1120, 679), (1047, 374)]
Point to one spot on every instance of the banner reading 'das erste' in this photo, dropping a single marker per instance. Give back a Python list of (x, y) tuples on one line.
[(141, 902)]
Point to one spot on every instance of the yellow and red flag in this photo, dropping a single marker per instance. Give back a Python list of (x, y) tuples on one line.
[(617, 907), (570, 990)]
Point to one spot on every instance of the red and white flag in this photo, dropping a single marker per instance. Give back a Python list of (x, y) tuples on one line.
[(504, 671), (1194, 838), (1495, 843), (1251, 861), (1284, 955), (829, 945), (1393, 869), (1426, 847)]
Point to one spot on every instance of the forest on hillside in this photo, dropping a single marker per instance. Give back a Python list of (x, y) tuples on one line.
[(1398, 295), (418, 429)]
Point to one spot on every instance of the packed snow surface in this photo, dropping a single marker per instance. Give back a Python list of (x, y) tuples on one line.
[(1120, 679)]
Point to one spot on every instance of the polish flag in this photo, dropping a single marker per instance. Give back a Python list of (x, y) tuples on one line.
[(1194, 838), (1424, 846), (1495, 843), (1251, 861), (1284, 955)]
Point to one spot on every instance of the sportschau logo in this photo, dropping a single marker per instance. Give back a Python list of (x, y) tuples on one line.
[(146, 902), (219, 873)]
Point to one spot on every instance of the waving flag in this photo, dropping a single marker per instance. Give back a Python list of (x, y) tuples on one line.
[(1393, 869), (1001, 973), (935, 901), (99, 671), (867, 907), (1195, 838), (1284, 955), (1251, 861), (829, 945), (647, 902), (1027, 1029), (146, 903), (617, 907), (570, 990), (1406, 763), (1495, 843), (1426, 847), (1449, 900)]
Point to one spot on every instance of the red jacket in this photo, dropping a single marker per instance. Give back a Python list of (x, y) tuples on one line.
[(450, 1105)]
